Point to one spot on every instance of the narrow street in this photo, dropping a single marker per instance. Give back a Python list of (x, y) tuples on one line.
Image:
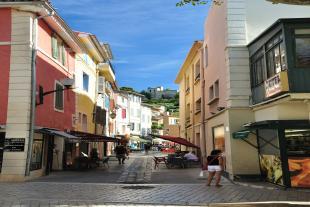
[(135, 182)]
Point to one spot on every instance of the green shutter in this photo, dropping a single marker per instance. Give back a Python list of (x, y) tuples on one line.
[(55, 52), (63, 54)]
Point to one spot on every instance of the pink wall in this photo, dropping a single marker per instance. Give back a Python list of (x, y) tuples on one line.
[(5, 22), (45, 43), (48, 71), (215, 38), (5, 51)]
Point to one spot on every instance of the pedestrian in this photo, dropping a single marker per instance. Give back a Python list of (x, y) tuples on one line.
[(121, 152), (215, 167)]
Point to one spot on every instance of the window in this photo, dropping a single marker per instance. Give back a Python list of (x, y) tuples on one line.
[(84, 122), (206, 56), (258, 68), (143, 118), (198, 105), (58, 49), (187, 85), (132, 126), (302, 42), (275, 54), (55, 51), (132, 111), (197, 71), (85, 82), (123, 113), (59, 96), (187, 113), (138, 113), (211, 93), (268, 61), (216, 89)]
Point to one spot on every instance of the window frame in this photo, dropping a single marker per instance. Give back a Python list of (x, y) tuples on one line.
[(84, 75), (304, 36)]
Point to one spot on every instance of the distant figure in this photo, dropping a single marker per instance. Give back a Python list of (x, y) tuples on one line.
[(215, 167), (121, 152), (191, 156), (147, 147)]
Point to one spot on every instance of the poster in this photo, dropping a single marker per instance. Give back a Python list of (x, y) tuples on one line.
[(299, 168), (271, 168)]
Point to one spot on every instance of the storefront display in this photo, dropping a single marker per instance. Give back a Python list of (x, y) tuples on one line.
[(271, 168), (299, 168)]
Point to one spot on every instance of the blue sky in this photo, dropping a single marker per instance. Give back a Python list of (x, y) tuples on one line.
[(149, 38)]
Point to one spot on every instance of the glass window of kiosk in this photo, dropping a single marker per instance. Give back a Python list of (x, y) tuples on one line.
[(269, 156), (298, 152)]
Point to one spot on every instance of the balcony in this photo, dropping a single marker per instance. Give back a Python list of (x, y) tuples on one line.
[(106, 69), (295, 2), (280, 60)]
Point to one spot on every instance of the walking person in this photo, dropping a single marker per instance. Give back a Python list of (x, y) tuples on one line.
[(121, 152), (215, 167)]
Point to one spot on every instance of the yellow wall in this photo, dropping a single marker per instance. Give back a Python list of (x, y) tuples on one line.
[(85, 106)]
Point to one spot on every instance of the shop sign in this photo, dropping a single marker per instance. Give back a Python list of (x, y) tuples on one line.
[(14, 145), (276, 84)]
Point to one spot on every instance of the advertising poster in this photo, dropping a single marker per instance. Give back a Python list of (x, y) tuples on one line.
[(299, 168), (271, 168)]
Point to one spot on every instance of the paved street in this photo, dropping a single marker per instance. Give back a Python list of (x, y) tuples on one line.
[(136, 182)]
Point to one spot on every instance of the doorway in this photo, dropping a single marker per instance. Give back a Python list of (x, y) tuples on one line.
[(50, 150)]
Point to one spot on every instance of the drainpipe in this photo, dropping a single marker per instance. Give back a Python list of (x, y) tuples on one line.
[(33, 89), (203, 109)]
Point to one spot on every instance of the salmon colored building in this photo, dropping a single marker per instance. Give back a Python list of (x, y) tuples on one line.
[(37, 52)]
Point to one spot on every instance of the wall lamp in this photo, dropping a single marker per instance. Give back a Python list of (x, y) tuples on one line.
[(68, 85)]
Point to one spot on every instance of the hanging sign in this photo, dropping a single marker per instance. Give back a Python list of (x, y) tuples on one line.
[(14, 145)]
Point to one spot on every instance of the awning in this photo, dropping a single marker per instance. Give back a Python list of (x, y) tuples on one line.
[(243, 134), (88, 137), (177, 140), (58, 133), (138, 139)]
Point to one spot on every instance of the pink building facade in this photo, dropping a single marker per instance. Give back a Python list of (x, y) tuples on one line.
[(26, 27)]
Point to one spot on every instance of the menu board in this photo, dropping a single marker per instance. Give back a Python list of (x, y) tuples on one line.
[(299, 168), (14, 144)]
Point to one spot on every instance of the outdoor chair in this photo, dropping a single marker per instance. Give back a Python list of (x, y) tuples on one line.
[(159, 160)]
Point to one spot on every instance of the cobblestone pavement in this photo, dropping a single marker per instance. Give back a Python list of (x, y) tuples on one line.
[(42, 193), (161, 186), (140, 171)]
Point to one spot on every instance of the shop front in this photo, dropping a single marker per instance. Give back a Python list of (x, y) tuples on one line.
[(283, 150)]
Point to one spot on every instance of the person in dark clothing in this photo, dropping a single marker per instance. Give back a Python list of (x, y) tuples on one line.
[(121, 152), (215, 167)]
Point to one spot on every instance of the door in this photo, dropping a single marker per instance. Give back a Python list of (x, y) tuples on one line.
[(50, 149), (2, 137)]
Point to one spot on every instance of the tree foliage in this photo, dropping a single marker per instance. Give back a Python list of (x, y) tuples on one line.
[(127, 89)]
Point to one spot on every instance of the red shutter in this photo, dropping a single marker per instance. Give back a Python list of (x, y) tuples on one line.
[(124, 113)]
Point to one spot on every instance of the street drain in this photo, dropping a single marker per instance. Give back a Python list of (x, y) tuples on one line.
[(141, 187)]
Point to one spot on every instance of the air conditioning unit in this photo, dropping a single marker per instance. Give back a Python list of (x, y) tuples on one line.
[(101, 84)]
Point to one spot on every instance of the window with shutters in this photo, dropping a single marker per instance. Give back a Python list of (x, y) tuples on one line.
[(101, 84), (59, 50), (59, 97), (123, 113)]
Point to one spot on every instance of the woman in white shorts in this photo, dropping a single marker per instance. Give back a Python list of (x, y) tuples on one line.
[(215, 166)]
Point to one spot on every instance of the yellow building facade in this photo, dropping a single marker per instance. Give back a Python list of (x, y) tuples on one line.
[(189, 82)]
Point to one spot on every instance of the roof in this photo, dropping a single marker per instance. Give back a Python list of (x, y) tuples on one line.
[(190, 55), (276, 23), (44, 8), (178, 140)]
